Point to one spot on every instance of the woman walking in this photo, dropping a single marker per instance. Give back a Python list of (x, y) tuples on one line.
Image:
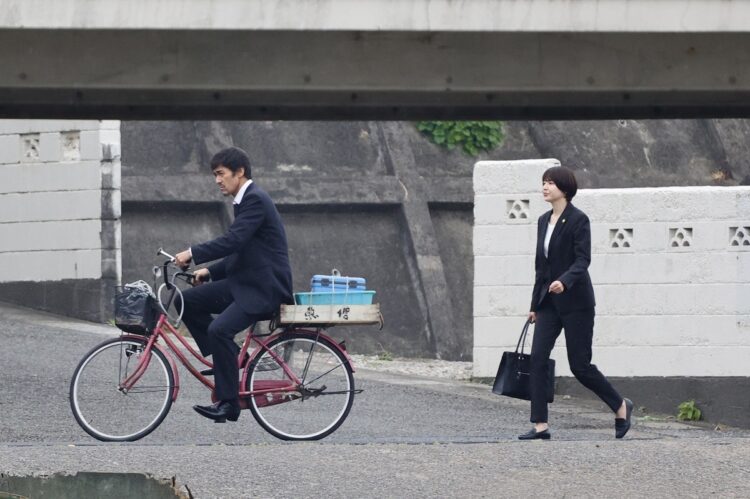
[(563, 298)]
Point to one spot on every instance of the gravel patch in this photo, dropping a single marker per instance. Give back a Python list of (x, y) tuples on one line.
[(429, 368)]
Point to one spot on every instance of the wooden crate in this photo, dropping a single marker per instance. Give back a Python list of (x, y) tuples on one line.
[(331, 314)]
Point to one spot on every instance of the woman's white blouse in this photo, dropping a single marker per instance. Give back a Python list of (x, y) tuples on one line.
[(547, 237)]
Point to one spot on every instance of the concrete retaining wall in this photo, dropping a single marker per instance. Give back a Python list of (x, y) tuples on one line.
[(670, 267), (60, 215), (351, 198), (375, 198), (413, 199)]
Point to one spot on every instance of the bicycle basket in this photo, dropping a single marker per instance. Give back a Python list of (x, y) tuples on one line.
[(135, 310)]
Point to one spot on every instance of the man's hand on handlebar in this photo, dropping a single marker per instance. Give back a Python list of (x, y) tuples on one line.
[(200, 276), (183, 259)]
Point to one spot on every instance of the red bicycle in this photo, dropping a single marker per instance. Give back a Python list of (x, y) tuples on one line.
[(298, 382)]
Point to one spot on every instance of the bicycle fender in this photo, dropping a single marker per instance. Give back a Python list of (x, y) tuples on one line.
[(342, 350), (169, 358), (313, 335)]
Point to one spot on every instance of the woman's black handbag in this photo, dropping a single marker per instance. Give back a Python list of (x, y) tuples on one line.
[(512, 378)]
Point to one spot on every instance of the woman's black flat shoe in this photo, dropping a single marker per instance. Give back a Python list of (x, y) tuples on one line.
[(536, 435), (623, 425)]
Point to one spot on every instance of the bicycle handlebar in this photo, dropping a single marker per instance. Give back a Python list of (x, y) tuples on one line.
[(169, 283), (161, 252), (189, 276)]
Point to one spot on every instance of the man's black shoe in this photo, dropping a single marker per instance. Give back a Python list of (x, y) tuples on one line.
[(219, 412), (534, 435), (623, 425)]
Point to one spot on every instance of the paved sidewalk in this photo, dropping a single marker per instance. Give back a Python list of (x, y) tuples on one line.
[(407, 436)]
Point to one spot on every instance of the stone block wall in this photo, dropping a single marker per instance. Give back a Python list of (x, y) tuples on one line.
[(60, 215), (670, 267)]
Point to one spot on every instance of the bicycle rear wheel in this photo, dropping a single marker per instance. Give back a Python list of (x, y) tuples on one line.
[(313, 409), (105, 410)]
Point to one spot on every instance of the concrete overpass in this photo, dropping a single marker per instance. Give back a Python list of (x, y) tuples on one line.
[(374, 59)]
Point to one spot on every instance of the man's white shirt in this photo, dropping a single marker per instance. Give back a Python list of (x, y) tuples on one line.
[(241, 192)]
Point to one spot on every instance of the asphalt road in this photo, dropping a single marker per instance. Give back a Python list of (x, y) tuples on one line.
[(405, 437)]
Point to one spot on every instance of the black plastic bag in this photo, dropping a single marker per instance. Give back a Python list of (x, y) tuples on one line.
[(135, 310)]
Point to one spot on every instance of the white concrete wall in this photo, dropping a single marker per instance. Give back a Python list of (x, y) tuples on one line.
[(670, 267), (59, 200)]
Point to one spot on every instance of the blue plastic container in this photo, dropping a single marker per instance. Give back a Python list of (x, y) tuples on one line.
[(336, 298), (336, 284)]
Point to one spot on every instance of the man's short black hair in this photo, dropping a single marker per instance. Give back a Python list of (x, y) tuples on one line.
[(564, 179), (233, 158)]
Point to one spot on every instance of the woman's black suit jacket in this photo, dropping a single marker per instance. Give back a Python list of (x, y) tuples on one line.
[(568, 262)]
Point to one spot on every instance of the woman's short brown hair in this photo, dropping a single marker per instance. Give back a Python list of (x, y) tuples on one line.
[(564, 179)]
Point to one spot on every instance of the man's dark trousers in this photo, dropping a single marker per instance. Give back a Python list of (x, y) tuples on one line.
[(579, 332), (216, 336)]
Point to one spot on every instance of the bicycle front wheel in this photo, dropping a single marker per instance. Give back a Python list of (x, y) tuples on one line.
[(101, 405), (309, 409)]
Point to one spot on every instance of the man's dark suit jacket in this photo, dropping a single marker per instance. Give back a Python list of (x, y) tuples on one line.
[(568, 261), (255, 255)]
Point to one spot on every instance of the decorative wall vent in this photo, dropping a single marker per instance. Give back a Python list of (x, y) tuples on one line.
[(518, 209), (680, 237), (621, 238), (739, 236), (30, 147), (71, 145)]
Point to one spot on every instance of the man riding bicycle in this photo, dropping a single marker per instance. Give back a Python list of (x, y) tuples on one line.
[(249, 283)]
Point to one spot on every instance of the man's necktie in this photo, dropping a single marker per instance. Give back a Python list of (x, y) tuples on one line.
[(236, 208)]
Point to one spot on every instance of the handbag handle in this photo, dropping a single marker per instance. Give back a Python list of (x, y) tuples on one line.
[(522, 339)]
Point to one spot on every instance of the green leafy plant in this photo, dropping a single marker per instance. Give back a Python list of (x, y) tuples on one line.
[(385, 355), (688, 411), (472, 136)]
